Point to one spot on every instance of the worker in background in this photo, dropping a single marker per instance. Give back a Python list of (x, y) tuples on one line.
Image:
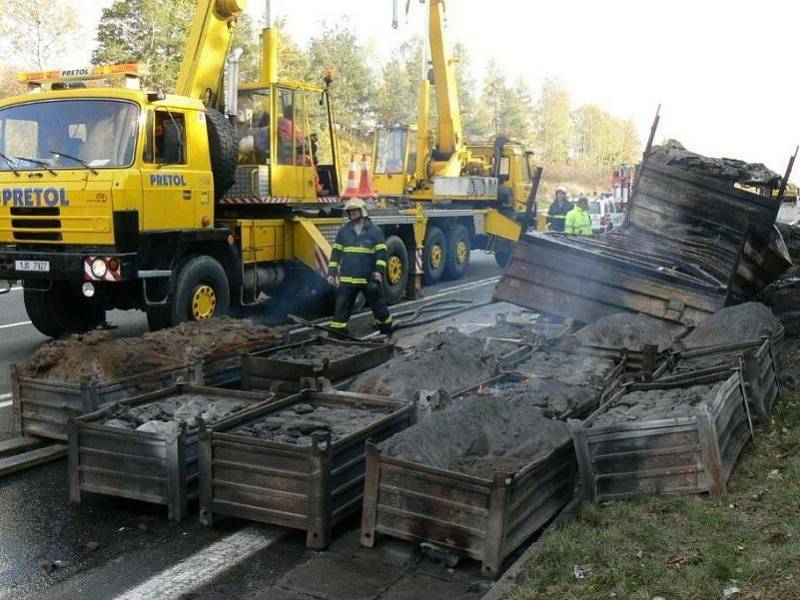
[(557, 214), (358, 265), (578, 221), (288, 133)]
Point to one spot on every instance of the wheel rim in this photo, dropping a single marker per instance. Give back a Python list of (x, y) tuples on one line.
[(394, 270), (462, 252), (437, 254), (204, 303)]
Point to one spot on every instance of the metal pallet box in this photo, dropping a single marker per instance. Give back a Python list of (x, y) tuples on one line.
[(152, 467), (684, 455), (485, 519), (42, 407), (308, 488), (269, 370)]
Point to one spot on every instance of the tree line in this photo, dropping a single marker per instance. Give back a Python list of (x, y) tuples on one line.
[(366, 96)]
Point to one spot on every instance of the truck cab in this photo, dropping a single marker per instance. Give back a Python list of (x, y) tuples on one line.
[(93, 182)]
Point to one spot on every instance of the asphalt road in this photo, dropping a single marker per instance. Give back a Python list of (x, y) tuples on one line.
[(140, 554)]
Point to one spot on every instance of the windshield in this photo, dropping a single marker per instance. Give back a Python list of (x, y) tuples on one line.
[(40, 135), (391, 151)]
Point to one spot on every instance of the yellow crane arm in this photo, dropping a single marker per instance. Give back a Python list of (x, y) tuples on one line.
[(207, 49), (450, 134)]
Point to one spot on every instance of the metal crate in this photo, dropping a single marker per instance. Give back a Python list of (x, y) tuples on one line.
[(42, 407), (755, 359), (152, 467), (480, 518), (307, 488), (685, 455), (266, 369)]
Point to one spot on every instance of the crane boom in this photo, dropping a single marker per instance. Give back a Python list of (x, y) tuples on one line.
[(207, 49), (450, 135)]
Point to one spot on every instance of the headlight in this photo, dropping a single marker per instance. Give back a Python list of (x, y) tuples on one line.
[(99, 268), (88, 290)]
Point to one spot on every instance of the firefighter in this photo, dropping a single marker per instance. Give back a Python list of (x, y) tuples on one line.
[(558, 210), (578, 221), (358, 265)]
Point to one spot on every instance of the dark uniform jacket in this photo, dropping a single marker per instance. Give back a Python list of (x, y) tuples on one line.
[(357, 256), (557, 215)]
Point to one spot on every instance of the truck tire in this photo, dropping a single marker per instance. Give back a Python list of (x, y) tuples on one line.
[(434, 255), (458, 249), (202, 291), (397, 270), (57, 312), (224, 148)]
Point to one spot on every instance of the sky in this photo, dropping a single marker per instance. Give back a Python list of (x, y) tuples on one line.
[(723, 70)]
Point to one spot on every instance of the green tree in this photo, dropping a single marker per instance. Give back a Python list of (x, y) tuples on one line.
[(467, 86), (489, 112), (37, 32), (516, 111), (602, 141), (292, 59), (397, 97), (338, 48), (552, 126)]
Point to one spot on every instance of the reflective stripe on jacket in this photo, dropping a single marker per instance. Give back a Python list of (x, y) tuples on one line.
[(357, 256), (578, 222)]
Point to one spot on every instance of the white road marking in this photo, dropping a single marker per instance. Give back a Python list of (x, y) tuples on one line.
[(205, 565), (5, 401), (20, 324)]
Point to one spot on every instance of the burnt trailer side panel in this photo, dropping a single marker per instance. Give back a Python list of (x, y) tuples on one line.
[(687, 243)]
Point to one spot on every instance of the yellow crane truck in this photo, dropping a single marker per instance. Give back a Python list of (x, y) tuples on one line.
[(183, 205), (439, 168)]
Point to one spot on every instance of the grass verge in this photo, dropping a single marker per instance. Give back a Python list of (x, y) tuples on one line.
[(747, 545)]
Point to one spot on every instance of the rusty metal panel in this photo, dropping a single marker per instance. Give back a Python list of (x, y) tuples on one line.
[(307, 488)]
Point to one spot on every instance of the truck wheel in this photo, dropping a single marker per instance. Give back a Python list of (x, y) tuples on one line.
[(37, 304), (394, 286), (202, 291), (458, 249), (434, 255), (57, 312), (502, 252), (224, 149)]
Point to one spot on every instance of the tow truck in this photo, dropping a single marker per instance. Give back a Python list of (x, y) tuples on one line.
[(185, 205)]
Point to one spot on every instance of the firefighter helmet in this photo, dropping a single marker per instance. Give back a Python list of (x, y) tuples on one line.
[(356, 204)]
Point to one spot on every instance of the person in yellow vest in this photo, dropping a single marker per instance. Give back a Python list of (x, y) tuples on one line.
[(578, 221)]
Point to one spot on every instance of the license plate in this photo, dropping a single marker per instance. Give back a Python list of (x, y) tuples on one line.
[(34, 266)]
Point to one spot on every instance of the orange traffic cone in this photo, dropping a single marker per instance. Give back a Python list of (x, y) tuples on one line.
[(365, 189), (352, 184)]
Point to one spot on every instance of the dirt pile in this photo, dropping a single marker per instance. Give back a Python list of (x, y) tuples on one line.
[(97, 353), (575, 367), (783, 297), (480, 436), (165, 416), (748, 321), (295, 425), (444, 360), (554, 397), (625, 330), (672, 153), (657, 404), (507, 336)]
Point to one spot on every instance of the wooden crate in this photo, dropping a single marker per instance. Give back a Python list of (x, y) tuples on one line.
[(307, 488), (42, 407), (684, 455), (756, 359), (147, 466), (480, 518), (264, 370)]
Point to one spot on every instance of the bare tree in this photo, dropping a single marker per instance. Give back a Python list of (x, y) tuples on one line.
[(39, 32)]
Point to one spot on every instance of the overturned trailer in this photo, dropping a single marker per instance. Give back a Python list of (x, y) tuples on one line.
[(691, 242)]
